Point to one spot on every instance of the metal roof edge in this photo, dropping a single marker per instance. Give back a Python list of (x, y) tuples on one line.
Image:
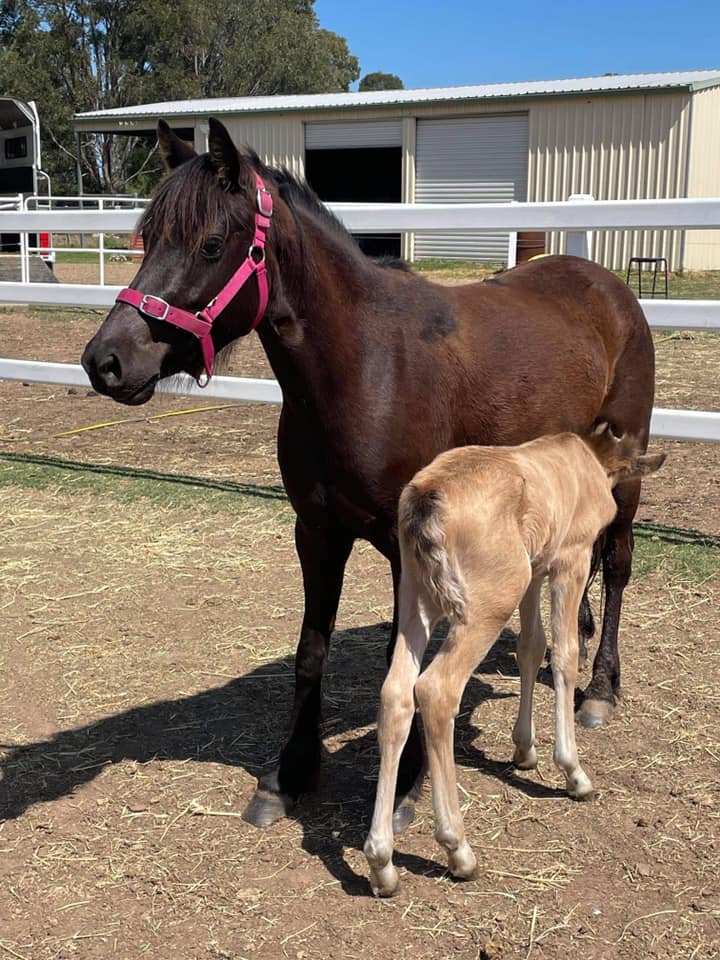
[(116, 115), (705, 84)]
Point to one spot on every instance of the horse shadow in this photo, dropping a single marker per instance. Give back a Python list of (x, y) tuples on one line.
[(203, 727)]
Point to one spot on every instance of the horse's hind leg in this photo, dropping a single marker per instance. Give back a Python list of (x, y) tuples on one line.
[(397, 712), (531, 646), (411, 770), (323, 553), (567, 580), (603, 691), (439, 691)]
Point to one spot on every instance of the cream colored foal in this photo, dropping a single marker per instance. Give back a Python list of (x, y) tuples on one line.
[(480, 528)]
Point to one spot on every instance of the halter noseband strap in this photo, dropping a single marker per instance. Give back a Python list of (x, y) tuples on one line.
[(200, 324)]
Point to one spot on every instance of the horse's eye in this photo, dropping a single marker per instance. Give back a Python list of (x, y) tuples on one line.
[(212, 248)]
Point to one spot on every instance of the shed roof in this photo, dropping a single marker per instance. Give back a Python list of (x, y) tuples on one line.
[(687, 80)]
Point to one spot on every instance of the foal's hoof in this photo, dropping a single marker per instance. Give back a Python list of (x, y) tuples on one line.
[(462, 863), (403, 815), (267, 808), (385, 881), (404, 812), (525, 759), (594, 713)]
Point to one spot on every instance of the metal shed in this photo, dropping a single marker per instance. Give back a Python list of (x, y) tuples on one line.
[(615, 137)]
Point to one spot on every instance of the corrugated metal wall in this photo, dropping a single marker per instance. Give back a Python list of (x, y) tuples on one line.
[(470, 160), (615, 148), (362, 133), (702, 247), (279, 141)]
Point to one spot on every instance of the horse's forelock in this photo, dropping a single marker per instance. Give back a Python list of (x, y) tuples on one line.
[(190, 204)]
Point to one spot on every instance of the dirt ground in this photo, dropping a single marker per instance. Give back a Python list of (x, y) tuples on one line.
[(148, 631)]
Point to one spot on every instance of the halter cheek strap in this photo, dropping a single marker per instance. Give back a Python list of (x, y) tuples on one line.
[(200, 324)]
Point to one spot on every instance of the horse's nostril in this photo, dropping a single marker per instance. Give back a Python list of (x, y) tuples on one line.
[(109, 368)]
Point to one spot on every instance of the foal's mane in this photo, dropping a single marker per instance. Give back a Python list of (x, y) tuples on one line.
[(190, 203)]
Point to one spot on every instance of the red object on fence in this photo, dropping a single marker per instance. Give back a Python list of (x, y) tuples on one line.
[(136, 245), (44, 247)]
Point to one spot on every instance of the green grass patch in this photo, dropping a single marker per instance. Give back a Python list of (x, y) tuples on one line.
[(129, 485), (693, 285), (676, 553), (77, 256), (435, 264), (46, 313), (672, 551)]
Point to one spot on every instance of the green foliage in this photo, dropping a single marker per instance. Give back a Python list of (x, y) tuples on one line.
[(381, 81), (100, 54)]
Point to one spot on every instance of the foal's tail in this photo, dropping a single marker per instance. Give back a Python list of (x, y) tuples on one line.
[(422, 536)]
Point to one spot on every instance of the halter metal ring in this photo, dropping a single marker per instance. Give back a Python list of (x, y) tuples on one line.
[(255, 248)]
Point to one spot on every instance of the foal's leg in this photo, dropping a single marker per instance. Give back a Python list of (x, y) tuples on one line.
[(567, 581), (439, 691), (603, 690), (397, 714), (531, 647), (411, 771), (323, 553)]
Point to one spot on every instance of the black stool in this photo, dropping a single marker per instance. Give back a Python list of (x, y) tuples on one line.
[(658, 264)]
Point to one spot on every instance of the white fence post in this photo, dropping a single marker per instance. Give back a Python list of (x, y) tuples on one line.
[(101, 247), (512, 247), (580, 243)]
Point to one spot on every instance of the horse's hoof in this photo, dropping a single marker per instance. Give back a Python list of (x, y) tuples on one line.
[(594, 713), (580, 787), (462, 863), (267, 808), (403, 815), (385, 881), (404, 812), (525, 759)]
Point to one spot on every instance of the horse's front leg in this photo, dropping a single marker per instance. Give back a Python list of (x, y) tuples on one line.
[(603, 691), (323, 552)]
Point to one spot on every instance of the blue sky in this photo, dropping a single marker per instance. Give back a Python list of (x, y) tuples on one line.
[(432, 43)]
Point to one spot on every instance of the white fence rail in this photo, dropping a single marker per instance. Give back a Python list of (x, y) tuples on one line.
[(576, 218), (433, 217)]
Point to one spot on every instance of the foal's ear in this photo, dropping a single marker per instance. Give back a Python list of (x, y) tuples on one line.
[(224, 157), (647, 464), (174, 151)]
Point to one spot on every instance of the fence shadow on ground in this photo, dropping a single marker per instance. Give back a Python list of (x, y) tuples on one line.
[(205, 727)]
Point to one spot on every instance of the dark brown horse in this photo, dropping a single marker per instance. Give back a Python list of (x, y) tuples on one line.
[(380, 371)]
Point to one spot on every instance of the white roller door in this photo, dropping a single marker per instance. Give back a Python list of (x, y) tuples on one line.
[(345, 135), (470, 160)]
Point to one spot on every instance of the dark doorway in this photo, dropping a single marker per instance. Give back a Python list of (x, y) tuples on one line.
[(359, 175)]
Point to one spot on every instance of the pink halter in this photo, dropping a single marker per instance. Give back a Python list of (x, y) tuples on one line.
[(200, 324)]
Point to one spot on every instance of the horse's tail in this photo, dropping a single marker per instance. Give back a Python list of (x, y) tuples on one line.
[(423, 537), (586, 621)]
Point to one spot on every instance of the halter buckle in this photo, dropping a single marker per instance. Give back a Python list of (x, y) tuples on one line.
[(262, 195), (145, 306)]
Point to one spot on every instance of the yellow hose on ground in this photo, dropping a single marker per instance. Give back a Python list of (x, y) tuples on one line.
[(156, 416)]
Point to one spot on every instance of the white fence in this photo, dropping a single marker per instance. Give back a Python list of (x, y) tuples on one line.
[(576, 217)]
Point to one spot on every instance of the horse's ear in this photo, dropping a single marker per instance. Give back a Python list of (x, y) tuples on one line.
[(174, 151), (224, 157)]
